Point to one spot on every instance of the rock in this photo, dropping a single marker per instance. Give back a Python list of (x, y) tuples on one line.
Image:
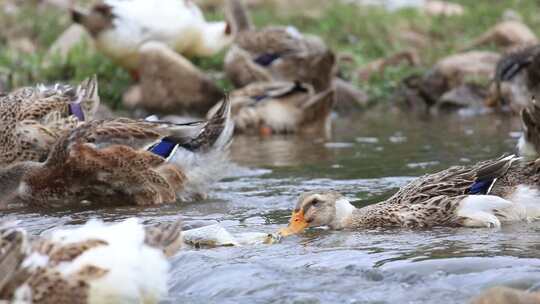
[(348, 96), (463, 96), (474, 64), (71, 37), (421, 92), (442, 8), (169, 83), (409, 57), (505, 295), (506, 34)]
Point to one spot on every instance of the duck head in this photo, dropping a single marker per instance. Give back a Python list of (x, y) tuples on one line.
[(97, 20), (319, 208)]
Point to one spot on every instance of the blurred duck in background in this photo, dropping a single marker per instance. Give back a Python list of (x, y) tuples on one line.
[(121, 27), (275, 53), (267, 108), (517, 79)]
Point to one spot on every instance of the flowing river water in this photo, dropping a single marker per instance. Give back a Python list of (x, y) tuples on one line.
[(370, 155)]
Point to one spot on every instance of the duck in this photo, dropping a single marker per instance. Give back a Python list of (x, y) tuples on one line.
[(159, 89), (120, 27), (98, 262), (447, 85), (32, 118), (279, 107), (486, 194), (516, 79), (135, 162), (275, 53)]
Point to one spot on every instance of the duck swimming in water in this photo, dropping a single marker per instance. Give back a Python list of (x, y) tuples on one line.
[(96, 263), (487, 194), (122, 160), (33, 118)]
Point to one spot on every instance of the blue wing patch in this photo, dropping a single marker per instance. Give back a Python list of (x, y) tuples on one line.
[(266, 59), (481, 186), (164, 148), (76, 110)]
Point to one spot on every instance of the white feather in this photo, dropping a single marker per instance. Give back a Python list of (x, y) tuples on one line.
[(201, 169), (344, 211), (136, 273), (527, 198), (178, 24), (478, 210)]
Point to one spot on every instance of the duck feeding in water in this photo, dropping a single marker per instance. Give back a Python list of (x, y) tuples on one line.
[(33, 118), (123, 160), (487, 194)]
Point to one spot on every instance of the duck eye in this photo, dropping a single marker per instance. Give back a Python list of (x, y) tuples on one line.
[(315, 202)]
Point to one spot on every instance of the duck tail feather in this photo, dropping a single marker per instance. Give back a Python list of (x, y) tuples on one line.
[(88, 95)]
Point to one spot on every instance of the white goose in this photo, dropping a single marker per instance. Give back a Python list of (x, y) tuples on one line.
[(120, 27)]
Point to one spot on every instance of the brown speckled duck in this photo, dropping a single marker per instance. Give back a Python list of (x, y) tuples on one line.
[(96, 263), (170, 83), (275, 53), (516, 79), (128, 161), (281, 107), (32, 119), (486, 194)]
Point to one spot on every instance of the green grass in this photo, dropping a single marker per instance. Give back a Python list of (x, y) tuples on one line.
[(367, 33)]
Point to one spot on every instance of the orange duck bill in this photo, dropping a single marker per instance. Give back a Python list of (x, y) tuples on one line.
[(297, 224)]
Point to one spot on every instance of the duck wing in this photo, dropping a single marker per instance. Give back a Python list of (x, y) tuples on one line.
[(513, 63), (455, 181)]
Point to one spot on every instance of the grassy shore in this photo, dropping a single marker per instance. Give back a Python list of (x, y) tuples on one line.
[(365, 33)]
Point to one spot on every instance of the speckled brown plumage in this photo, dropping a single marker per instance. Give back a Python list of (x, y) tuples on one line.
[(166, 236), (530, 118), (100, 162), (283, 107), (106, 162), (48, 283), (297, 56), (431, 200), (516, 78), (32, 119)]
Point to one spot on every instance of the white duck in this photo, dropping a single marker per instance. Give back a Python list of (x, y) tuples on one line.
[(95, 263), (120, 27)]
